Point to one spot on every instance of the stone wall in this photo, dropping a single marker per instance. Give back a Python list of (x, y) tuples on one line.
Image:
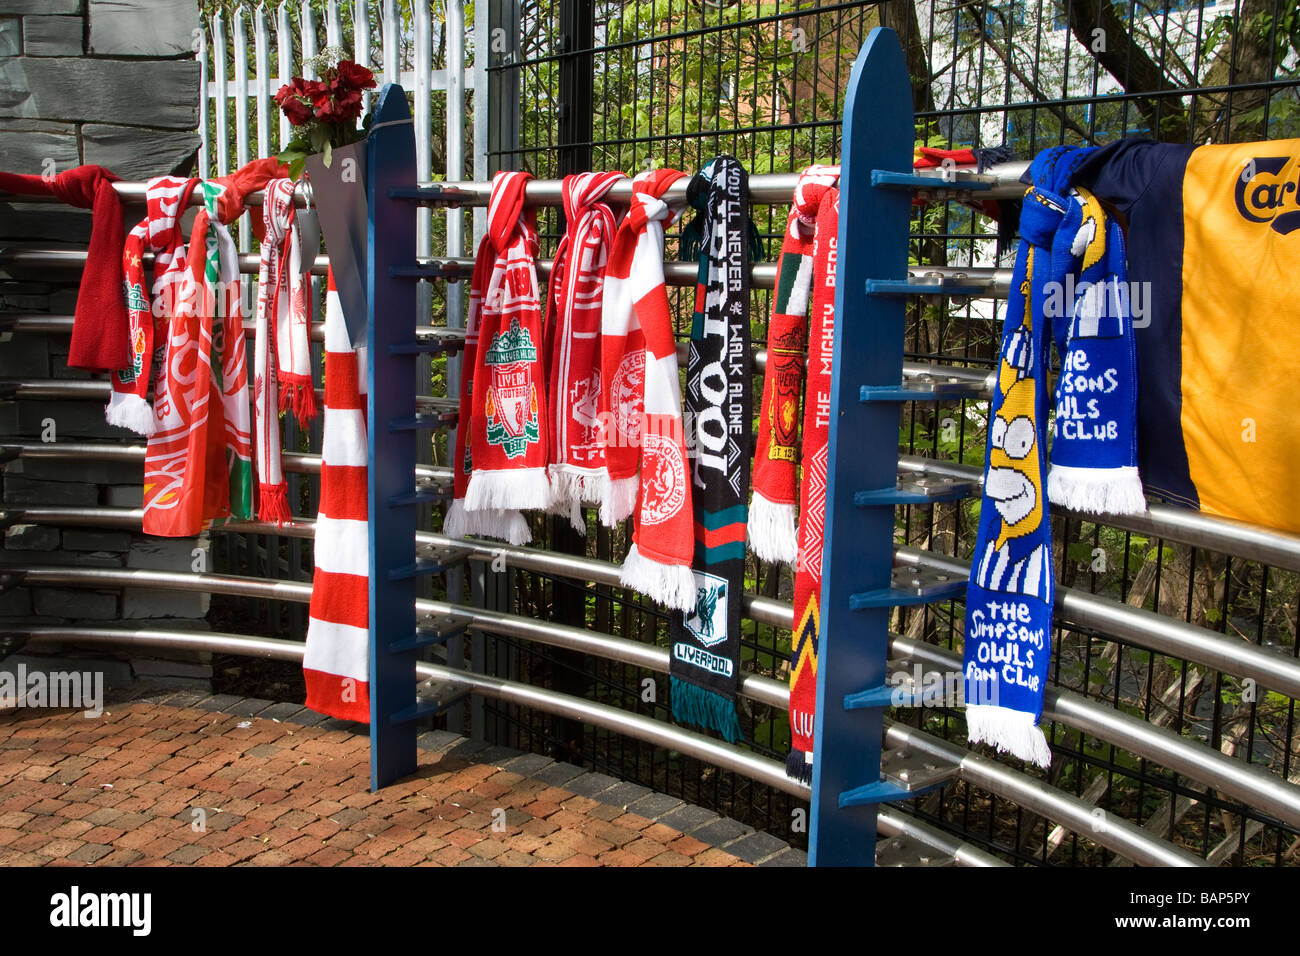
[(113, 83)]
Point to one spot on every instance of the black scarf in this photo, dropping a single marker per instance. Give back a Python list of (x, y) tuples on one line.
[(705, 659)]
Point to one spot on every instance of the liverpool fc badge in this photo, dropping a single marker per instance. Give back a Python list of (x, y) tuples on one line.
[(511, 404)]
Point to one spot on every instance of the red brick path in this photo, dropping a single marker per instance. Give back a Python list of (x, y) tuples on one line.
[(154, 785)]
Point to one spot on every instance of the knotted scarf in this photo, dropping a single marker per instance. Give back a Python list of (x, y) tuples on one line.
[(705, 660), (577, 459), (506, 222), (641, 410), (281, 380), (772, 508), (336, 661), (1069, 284), (812, 490), (165, 199), (99, 328), (198, 463)]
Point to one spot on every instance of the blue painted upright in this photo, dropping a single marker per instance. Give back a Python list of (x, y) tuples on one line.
[(859, 545), (390, 376)]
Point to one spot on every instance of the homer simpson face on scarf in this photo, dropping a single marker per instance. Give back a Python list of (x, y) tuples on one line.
[(1014, 480)]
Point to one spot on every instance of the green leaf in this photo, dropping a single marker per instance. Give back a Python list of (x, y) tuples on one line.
[(329, 154)]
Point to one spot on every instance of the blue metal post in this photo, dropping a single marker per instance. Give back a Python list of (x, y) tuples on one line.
[(858, 557), (390, 376)]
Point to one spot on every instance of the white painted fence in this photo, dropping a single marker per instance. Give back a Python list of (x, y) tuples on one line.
[(238, 96)]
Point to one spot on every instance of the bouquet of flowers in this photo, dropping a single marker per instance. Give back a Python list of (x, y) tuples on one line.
[(324, 112)]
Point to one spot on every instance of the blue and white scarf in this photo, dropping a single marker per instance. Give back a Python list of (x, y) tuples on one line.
[(1069, 285)]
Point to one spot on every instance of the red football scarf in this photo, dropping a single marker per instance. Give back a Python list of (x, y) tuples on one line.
[(232, 385), (335, 664), (198, 463), (228, 334), (281, 380), (772, 509), (639, 272), (178, 470), (812, 492), (642, 409), (165, 199), (577, 468), (99, 329), (493, 522), (508, 434)]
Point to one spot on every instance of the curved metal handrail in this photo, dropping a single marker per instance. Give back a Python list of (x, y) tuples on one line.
[(890, 823), (1127, 839)]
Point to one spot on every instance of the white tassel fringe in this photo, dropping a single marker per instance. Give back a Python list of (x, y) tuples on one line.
[(1116, 491), (672, 585), (771, 530), (572, 488), (619, 501), (508, 490), (130, 411), (507, 525), (1011, 731)]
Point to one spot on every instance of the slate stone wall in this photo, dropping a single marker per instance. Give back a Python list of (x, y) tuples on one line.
[(113, 83)]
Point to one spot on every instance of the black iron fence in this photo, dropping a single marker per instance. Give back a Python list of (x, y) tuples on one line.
[(634, 85)]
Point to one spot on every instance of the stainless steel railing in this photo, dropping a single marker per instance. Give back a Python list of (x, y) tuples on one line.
[(1160, 745), (1121, 836), (891, 822)]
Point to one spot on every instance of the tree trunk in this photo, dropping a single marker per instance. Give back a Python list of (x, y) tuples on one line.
[(1124, 59), (1246, 56)]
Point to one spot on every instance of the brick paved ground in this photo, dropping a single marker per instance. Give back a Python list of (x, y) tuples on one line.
[(188, 779)]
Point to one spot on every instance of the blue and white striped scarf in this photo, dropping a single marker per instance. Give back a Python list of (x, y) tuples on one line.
[(1069, 285)]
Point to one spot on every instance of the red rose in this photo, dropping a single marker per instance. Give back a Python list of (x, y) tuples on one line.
[(297, 111), (353, 76), (341, 107), (293, 99)]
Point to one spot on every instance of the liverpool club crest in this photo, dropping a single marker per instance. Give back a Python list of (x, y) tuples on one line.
[(511, 403)]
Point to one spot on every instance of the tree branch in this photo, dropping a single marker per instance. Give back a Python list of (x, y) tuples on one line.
[(1130, 65)]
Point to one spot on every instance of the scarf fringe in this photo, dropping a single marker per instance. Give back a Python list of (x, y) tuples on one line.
[(771, 531), (798, 766), (503, 490), (273, 503), (1116, 491), (703, 708), (507, 525), (1013, 732), (572, 488), (672, 585), (619, 501), (570, 508), (298, 396), (126, 410)]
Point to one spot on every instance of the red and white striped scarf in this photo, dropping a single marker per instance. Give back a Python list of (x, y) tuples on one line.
[(772, 509), (281, 380), (335, 664), (157, 232), (577, 460), (509, 432), (645, 446)]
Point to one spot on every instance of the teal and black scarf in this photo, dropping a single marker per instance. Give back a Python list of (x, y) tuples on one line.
[(705, 660)]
